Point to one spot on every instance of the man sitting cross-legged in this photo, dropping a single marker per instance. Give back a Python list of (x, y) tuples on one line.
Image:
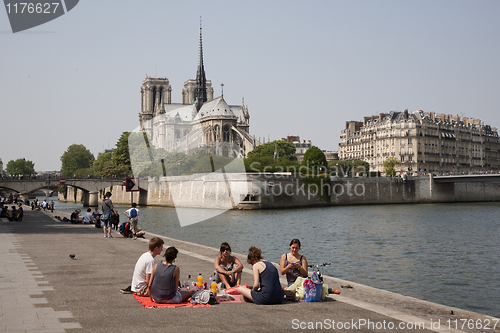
[(144, 267)]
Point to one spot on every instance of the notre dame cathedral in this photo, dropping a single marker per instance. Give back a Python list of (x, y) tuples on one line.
[(199, 123)]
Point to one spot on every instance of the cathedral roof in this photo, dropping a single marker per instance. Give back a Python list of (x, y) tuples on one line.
[(185, 111), (215, 107)]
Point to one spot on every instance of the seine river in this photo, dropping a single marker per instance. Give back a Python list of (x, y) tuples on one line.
[(443, 253)]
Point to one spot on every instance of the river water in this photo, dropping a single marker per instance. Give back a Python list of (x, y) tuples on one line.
[(443, 253)]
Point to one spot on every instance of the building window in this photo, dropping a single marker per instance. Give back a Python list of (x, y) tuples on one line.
[(402, 158), (225, 133), (217, 132)]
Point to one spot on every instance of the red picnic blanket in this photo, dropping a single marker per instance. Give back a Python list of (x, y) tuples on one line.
[(148, 303)]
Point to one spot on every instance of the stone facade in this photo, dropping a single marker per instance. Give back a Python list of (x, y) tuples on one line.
[(422, 142)]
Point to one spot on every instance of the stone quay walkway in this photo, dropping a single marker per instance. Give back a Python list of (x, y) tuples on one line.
[(42, 289)]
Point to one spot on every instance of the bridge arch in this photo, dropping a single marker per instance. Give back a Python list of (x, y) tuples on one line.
[(23, 187)]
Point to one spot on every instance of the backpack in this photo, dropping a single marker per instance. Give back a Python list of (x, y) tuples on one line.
[(125, 230), (133, 213)]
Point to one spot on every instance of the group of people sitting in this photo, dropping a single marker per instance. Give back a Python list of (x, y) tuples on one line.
[(161, 281), (109, 219), (266, 287), (88, 217), (16, 214), (42, 205), (125, 229)]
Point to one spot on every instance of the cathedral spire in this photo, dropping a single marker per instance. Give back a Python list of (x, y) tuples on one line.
[(201, 80)]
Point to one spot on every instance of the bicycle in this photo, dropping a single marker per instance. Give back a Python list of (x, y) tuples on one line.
[(318, 272)]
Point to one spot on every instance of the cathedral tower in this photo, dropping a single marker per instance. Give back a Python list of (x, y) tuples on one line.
[(199, 90)]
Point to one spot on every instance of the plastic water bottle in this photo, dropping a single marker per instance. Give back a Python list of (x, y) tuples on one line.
[(199, 284), (314, 277), (188, 284)]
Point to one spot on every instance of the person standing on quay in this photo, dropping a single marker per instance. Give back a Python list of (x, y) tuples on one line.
[(20, 212), (107, 208), (133, 216)]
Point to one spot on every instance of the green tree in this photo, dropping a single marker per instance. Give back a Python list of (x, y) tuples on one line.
[(390, 166), (117, 162), (74, 158), (121, 155), (20, 166), (284, 149), (314, 158), (84, 172), (121, 166), (102, 165), (263, 159)]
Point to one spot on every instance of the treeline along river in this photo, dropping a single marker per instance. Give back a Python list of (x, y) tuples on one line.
[(443, 253)]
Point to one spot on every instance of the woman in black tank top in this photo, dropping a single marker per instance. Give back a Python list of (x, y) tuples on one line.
[(293, 264)]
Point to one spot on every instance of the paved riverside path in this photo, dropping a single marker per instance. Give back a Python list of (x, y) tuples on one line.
[(43, 290)]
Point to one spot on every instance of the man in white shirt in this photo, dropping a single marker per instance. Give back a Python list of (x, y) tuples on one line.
[(144, 266), (88, 218)]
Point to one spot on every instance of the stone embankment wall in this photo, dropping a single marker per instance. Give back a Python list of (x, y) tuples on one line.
[(248, 191)]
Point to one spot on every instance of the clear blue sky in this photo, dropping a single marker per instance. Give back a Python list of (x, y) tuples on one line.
[(303, 67)]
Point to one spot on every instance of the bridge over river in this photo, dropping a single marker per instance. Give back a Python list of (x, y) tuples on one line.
[(49, 185)]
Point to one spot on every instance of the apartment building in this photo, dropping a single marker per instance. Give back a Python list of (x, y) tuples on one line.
[(422, 142)]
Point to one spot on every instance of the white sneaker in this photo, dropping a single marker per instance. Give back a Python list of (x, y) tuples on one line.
[(109, 236), (105, 236)]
